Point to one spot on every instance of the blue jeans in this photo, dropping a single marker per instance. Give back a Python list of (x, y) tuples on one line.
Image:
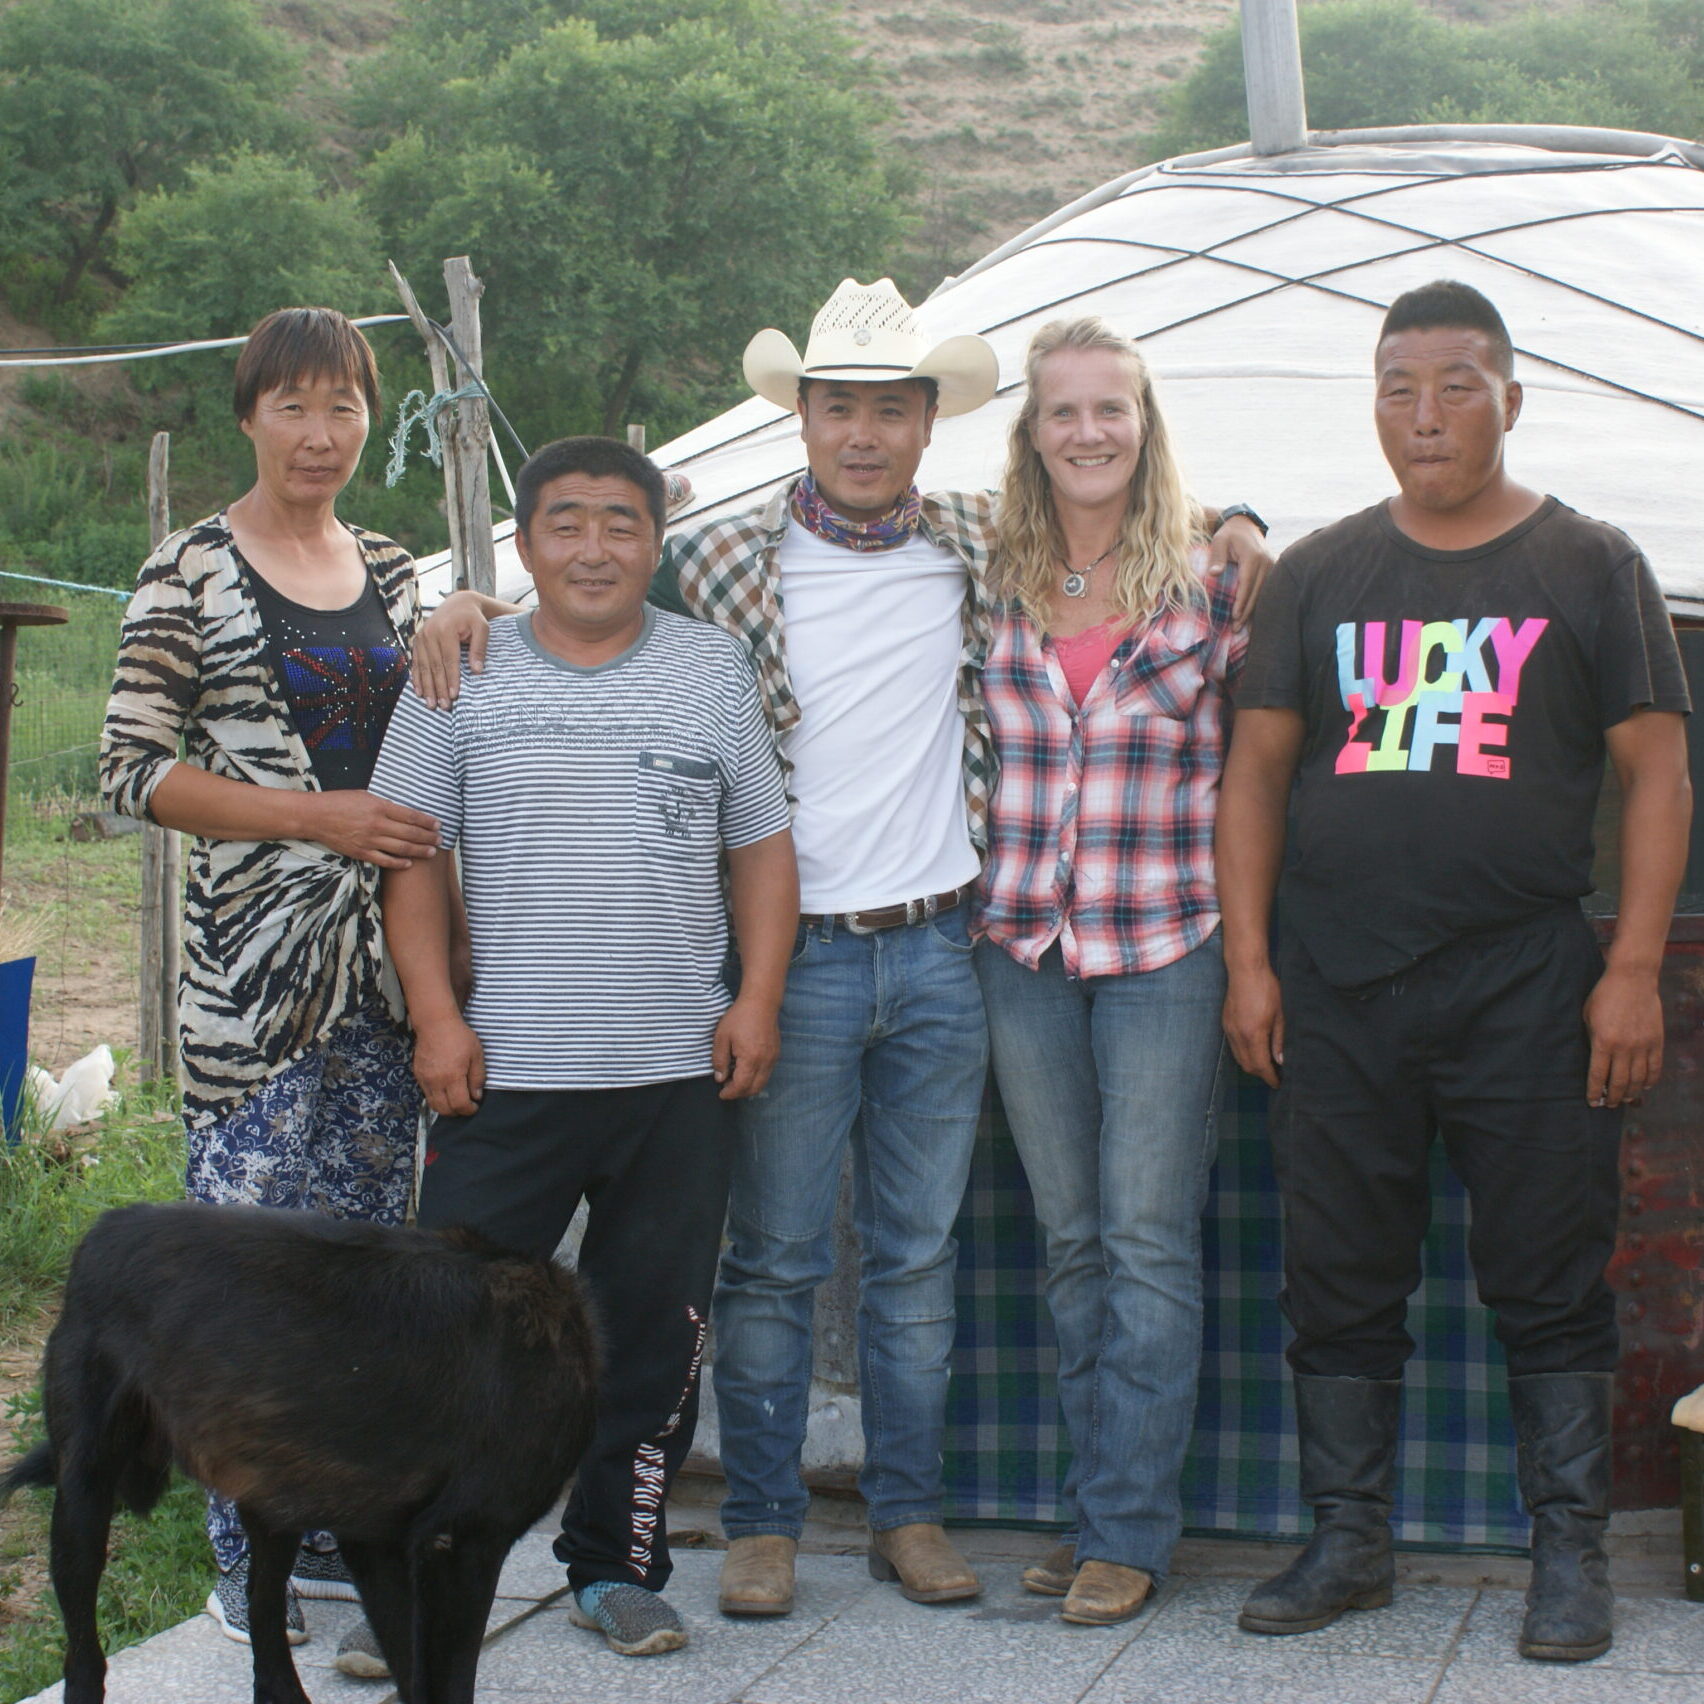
[(882, 1042), (1109, 1084)]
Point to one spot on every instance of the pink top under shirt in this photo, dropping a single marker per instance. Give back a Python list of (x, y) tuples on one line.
[(1085, 654)]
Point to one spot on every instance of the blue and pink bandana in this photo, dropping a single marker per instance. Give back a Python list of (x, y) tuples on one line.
[(895, 527)]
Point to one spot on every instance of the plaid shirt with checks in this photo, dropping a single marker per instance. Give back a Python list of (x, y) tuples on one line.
[(1102, 830), (727, 571)]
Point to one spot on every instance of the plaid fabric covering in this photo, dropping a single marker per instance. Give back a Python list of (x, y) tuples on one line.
[(1006, 1446), (725, 571)]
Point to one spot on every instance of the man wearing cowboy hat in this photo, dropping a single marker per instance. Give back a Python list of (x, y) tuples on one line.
[(871, 684)]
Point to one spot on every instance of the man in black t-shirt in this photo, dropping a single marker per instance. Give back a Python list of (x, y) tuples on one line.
[(1441, 677)]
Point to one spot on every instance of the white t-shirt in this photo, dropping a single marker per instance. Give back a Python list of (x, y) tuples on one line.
[(591, 806), (873, 641)]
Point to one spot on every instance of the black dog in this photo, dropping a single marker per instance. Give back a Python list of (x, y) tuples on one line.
[(422, 1395)]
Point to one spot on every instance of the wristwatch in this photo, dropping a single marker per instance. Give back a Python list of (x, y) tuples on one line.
[(1236, 509)]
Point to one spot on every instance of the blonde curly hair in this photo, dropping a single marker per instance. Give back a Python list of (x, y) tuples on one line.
[(1161, 523)]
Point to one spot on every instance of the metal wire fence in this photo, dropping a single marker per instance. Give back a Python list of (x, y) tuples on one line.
[(63, 677)]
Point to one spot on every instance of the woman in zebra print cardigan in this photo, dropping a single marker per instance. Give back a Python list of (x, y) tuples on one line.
[(271, 640)]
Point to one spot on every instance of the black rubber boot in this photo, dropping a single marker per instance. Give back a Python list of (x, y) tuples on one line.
[(1562, 1440), (1347, 1431)]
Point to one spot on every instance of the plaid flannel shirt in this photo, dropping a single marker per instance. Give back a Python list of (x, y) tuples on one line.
[(727, 571), (1102, 830)]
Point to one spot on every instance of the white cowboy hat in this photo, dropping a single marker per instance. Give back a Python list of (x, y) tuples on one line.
[(868, 332)]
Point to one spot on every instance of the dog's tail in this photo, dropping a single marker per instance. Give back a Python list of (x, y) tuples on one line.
[(35, 1469)]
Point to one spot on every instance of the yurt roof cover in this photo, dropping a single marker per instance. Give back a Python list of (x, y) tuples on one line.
[(1256, 286)]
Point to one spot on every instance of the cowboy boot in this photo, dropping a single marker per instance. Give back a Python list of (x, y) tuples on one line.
[(757, 1575), (1347, 1431), (1053, 1574), (924, 1561), (1562, 1456)]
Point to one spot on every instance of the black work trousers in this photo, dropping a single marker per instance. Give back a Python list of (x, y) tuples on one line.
[(1482, 1043), (652, 1164)]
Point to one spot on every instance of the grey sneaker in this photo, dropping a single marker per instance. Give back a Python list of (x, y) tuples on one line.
[(358, 1653), (637, 1623), (323, 1574), (227, 1603)]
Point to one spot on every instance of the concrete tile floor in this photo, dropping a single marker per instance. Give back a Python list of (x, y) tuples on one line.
[(1448, 1639)]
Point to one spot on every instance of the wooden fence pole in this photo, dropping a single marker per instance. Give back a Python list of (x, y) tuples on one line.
[(439, 361), (469, 438), (162, 887)]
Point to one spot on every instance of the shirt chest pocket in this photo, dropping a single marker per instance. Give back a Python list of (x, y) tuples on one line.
[(1166, 669), (678, 801)]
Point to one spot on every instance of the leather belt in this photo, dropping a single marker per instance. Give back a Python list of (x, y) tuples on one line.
[(889, 916)]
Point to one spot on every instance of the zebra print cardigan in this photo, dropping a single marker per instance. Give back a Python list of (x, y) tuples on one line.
[(281, 939)]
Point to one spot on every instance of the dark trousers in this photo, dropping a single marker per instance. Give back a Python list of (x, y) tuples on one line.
[(652, 1163), (1482, 1043)]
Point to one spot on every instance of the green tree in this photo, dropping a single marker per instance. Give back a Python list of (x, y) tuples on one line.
[(102, 101), (641, 184), (1636, 64), (241, 238)]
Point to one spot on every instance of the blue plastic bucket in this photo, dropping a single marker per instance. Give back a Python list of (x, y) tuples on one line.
[(16, 977)]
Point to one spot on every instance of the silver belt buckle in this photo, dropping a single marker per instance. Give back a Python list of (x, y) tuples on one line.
[(915, 912), (854, 927)]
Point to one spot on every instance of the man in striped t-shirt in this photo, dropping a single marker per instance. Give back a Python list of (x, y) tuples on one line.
[(593, 778)]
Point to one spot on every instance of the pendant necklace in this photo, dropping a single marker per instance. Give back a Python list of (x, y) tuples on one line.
[(1077, 579)]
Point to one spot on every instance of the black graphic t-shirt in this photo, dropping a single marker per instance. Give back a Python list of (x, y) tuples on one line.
[(1456, 702), (340, 671)]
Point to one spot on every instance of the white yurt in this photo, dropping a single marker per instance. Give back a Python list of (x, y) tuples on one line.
[(1256, 284)]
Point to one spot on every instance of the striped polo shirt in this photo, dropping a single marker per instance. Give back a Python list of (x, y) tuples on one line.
[(590, 807)]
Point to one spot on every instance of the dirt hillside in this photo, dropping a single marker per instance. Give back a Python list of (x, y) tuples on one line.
[(1014, 107)]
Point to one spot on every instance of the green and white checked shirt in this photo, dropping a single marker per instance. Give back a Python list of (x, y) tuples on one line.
[(727, 572)]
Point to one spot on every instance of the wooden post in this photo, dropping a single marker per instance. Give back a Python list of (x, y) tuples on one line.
[(468, 441), (1272, 76), (438, 359), (162, 886)]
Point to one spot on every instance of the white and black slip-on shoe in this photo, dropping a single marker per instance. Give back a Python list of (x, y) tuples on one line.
[(227, 1603), (323, 1574)]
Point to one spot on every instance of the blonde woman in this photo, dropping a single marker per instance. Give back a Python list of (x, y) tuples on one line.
[(1098, 929)]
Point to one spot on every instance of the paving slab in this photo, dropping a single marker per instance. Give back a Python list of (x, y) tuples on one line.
[(1421, 1623), (547, 1656), (1652, 1636), (1272, 1673), (1447, 1639), (1006, 1647)]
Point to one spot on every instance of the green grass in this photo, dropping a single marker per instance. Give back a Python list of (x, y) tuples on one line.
[(158, 1573), (50, 1192)]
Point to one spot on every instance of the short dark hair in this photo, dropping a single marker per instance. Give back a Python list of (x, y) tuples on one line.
[(1447, 302), (294, 344), (931, 389), (598, 458)]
